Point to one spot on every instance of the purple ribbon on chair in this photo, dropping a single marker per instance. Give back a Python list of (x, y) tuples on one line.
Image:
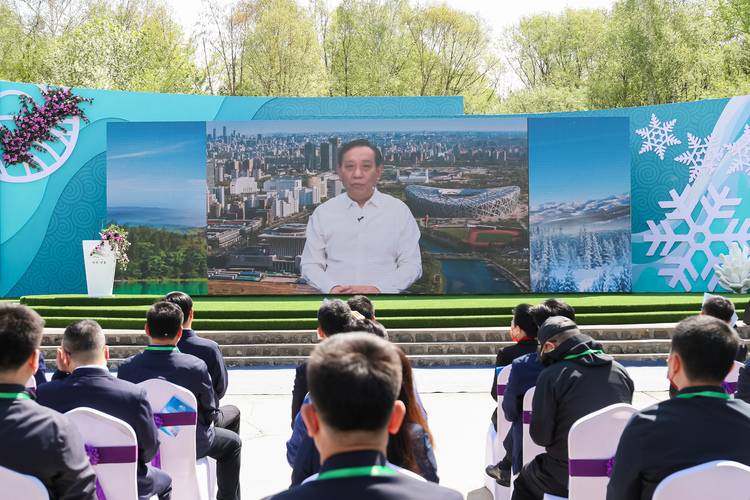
[(598, 467), (526, 417), (168, 420), (110, 455), (501, 389), (730, 387)]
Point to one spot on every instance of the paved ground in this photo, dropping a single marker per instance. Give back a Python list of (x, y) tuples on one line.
[(456, 398)]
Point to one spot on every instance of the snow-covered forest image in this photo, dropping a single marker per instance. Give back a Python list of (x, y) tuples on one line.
[(579, 197), (581, 247)]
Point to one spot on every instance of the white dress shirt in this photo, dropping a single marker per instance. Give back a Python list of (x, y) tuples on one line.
[(376, 245)]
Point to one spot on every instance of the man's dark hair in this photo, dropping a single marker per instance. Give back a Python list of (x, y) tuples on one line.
[(334, 316), (707, 347), (359, 143), (362, 305), (368, 326), (82, 339), (719, 307), (164, 320), (552, 307), (183, 301), (21, 331), (524, 320), (354, 380)]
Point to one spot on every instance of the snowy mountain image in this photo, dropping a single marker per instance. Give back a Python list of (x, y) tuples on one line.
[(581, 246), (610, 213)]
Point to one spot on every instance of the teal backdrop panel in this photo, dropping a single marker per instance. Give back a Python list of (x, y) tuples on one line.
[(44, 215), (690, 175)]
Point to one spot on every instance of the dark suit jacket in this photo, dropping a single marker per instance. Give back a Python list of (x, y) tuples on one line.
[(40, 442), (506, 356), (186, 371), (98, 389), (300, 390), (674, 435), (523, 374), (209, 352), (393, 487)]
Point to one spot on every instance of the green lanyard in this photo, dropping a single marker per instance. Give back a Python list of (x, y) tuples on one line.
[(589, 351), (14, 395), (705, 394), (374, 470), (162, 348)]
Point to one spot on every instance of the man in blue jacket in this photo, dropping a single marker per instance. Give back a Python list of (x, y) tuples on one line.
[(84, 355)]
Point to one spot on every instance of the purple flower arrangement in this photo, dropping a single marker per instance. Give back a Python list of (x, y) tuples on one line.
[(34, 124), (118, 243)]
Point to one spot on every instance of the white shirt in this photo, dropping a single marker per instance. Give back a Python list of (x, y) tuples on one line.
[(376, 245)]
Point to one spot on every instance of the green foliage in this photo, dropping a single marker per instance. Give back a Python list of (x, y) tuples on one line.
[(160, 254)]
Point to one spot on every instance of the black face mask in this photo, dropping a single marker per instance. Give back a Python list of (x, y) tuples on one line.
[(547, 359)]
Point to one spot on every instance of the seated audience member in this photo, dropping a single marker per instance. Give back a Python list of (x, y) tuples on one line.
[(334, 316), (301, 452), (701, 424), (523, 374), (40, 377), (523, 332), (363, 306), (578, 379), (84, 355), (411, 447), (209, 352), (720, 308), (35, 440), (162, 359), (354, 380)]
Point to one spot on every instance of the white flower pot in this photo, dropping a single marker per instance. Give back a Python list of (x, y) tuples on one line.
[(100, 269)]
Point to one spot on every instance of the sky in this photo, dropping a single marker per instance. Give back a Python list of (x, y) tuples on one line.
[(161, 165), (574, 159)]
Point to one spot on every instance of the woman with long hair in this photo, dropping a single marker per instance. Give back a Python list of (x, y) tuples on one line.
[(411, 447)]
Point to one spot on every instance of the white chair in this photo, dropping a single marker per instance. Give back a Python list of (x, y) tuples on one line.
[(115, 458), (191, 479), (494, 450), (530, 448), (592, 443), (730, 380), (717, 479), (17, 485)]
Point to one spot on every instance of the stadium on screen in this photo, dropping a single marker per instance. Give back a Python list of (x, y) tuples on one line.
[(462, 203)]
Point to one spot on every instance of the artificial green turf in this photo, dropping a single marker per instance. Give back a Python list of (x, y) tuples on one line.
[(396, 311)]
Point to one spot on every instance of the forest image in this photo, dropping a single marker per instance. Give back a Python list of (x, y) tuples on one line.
[(587, 261), (160, 254)]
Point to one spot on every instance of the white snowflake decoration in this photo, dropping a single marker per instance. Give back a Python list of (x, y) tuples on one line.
[(657, 136), (698, 237), (740, 151), (702, 156)]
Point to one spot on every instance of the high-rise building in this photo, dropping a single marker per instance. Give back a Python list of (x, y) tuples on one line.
[(325, 157), (225, 134), (309, 157), (214, 134), (334, 152), (218, 174)]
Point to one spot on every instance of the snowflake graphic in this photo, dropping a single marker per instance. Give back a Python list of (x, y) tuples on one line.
[(740, 151), (702, 156), (698, 238), (657, 136)]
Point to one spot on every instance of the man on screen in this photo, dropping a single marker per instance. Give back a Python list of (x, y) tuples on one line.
[(362, 241)]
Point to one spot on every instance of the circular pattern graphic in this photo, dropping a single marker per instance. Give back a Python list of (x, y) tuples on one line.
[(52, 158)]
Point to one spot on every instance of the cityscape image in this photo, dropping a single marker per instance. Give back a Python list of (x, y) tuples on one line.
[(464, 180)]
